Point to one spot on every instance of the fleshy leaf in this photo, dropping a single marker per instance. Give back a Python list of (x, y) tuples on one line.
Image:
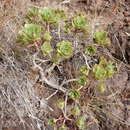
[(90, 50), (75, 111), (104, 69), (65, 49), (60, 103), (101, 38), (51, 16), (30, 33), (79, 22), (74, 94), (84, 70), (51, 122), (47, 36), (80, 122), (46, 48), (83, 80)]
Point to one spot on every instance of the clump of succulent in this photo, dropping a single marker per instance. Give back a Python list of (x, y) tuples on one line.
[(90, 50), (46, 48), (62, 51), (83, 80), (105, 69), (75, 111), (65, 49), (32, 13), (30, 33), (47, 15), (56, 58), (79, 22), (74, 94), (99, 72), (47, 36), (51, 16), (101, 38), (67, 28), (51, 122), (60, 103), (84, 70), (80, 122), (60, 14), (110, 69)]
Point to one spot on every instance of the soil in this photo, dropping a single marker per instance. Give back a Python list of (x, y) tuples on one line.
[(22, 94)]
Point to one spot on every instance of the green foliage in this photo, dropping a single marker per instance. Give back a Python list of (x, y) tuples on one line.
[(74, 94), (99, 72), (110, 69), (51, 16), (80, 122), (56, 58), (65, 49), (60, 14), (104, 69), (84, 70), (32, 12), (90, 50), (48, 15), (109, 66), (46, 48), (60, 103), (51, 122), (47, 36), (101, 38), (29, 33), (67, 28), (103, 61), (75, 111), (83, 80), (79, 22)]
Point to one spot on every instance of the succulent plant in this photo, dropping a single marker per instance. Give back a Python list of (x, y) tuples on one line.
[(74, 94), (104, 69), (75, 111), (51, 16), (101, 38), (84, 70), (80, 122), (30, 33), (60, 103), (83, 80), (46, 48), (65, 49), (90, 50), (79, 22), (51, 122), (47, 36), (32, 12)]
